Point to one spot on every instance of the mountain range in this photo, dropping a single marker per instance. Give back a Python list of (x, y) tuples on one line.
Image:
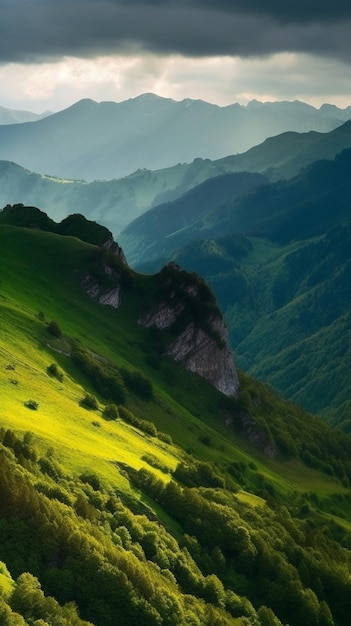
[(106, 140), (133, 489), (118, 202)]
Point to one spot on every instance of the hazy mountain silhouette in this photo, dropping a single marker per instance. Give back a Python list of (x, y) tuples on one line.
[(14, 116), (91, 140)]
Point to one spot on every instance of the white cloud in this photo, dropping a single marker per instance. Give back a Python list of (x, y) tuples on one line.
[(221, 80)]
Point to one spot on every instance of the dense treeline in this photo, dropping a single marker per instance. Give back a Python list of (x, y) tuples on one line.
[(77, 552), (94, 553)]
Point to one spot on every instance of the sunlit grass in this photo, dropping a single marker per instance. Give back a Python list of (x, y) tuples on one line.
[(184, 406)]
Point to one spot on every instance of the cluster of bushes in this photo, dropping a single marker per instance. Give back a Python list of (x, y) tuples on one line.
[(27, 604), (247, 548), (199, 473), (89, 402), (145, 425), (109, 381)]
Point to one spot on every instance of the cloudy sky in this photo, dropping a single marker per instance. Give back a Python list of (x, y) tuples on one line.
[(54, 52)]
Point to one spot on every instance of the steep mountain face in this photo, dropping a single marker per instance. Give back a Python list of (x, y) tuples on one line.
[(107, 140), (167, 226), (201, 343)]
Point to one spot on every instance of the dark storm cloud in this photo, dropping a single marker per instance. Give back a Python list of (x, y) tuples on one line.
[(48, 29), (297, 11)]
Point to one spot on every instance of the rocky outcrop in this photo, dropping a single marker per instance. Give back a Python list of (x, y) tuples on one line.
[(94, 290), (201, 340), (112, 246), (113, 263), (163, 316), (208, 357)]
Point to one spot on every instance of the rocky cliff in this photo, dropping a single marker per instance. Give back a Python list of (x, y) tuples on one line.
[(199, 338), (181, 304), (108, 271)]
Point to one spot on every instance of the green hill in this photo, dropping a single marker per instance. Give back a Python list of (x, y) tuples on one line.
[(132, 491)]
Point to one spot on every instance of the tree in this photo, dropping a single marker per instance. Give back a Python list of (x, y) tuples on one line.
[(54, 329)]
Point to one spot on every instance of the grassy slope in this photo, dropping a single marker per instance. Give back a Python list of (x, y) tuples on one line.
[(27, 287), (30, 349)]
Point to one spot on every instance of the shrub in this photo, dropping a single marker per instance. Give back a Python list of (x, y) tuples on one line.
[(128, 416), (137, 382), (148, 427), (92, 480), (206, 440), (55, 372), (110, 412), (54, 329), (152, 460), (89, 402), (31, 404), (165, 437)]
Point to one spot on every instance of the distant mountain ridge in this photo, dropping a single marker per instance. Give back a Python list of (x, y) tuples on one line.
[(106, 140), (17, 116), (118, 202), (157, 232)]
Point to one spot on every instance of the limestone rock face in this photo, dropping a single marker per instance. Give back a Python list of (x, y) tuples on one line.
[(94, 289), (207, 357), (111, 295), (201, 344), (163, 316)]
